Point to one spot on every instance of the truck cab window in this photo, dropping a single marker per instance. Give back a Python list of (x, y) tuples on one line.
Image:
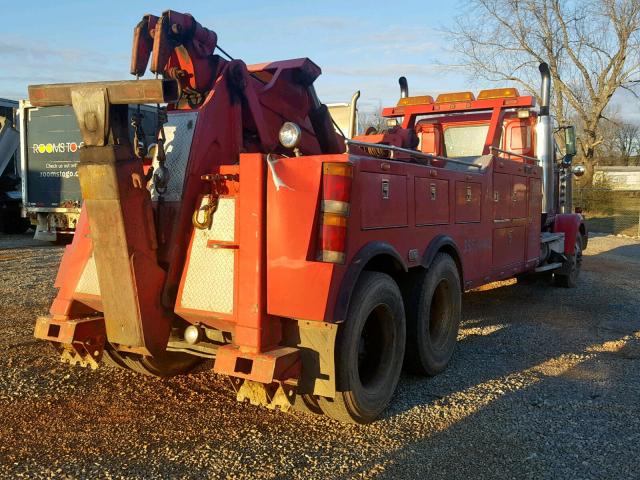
[(465, 141)]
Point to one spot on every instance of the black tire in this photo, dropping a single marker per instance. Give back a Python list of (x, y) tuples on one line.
[(369, 351), (111, 358), (307, 403), (169, 364), (569, 273), (433, 303)]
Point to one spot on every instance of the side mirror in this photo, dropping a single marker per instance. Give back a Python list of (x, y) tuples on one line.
[(570, 141), (579, 170)]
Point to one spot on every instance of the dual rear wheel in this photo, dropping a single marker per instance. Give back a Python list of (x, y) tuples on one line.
[(369, 351), (433, 316), (383, 331)]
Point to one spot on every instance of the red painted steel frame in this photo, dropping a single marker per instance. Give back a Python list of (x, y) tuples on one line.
[(411, 112), (497, 106)]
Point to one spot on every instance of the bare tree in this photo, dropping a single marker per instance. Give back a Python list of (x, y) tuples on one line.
[(626, 139), (621, 144), (592, 48), (371, 119)]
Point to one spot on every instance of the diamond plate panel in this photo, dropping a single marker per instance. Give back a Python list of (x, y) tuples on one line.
[(88, 283), (179, 133), (209, 283), (223, 227)]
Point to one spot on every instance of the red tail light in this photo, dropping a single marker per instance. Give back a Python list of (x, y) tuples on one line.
[(336, 196)]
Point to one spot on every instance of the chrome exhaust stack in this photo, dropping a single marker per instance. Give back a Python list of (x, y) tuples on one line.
[(544, 143), (404, 87)]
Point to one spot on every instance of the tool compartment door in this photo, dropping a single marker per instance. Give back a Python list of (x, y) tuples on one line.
[(508, 246), (385, 200), (501, 196), (518, 196), (468, 201), (431, 201)]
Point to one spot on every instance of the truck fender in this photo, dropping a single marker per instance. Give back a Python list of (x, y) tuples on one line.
[(358, 262), (446, 243), (584, 232), (569, 224)]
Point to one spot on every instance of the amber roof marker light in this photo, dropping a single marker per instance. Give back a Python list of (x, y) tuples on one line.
[(494, 93), (455, 97)]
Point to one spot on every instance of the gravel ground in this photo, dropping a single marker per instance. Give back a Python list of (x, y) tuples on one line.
[(545, 384)]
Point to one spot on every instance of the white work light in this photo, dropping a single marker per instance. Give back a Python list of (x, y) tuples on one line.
[(289, 135), (192, 334)]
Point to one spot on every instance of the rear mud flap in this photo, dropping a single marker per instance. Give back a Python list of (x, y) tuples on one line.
[(316, 342)]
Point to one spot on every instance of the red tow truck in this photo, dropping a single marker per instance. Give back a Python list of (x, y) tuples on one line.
[(311, 266)]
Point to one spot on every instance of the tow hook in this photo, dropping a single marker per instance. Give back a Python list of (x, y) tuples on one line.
[(209, 207)]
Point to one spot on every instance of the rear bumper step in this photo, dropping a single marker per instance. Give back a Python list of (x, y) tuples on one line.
[(280, 364), (80, 341)]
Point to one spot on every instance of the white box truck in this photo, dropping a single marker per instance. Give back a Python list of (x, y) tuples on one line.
[(49, 144)]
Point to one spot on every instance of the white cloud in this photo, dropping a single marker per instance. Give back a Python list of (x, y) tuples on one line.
[(36, 63)]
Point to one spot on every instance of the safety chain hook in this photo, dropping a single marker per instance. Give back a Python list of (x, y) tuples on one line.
[(161, 173), (139, 138), (211, 206)]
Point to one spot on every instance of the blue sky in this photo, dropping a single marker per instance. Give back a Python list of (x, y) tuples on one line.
[(362, 45)]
